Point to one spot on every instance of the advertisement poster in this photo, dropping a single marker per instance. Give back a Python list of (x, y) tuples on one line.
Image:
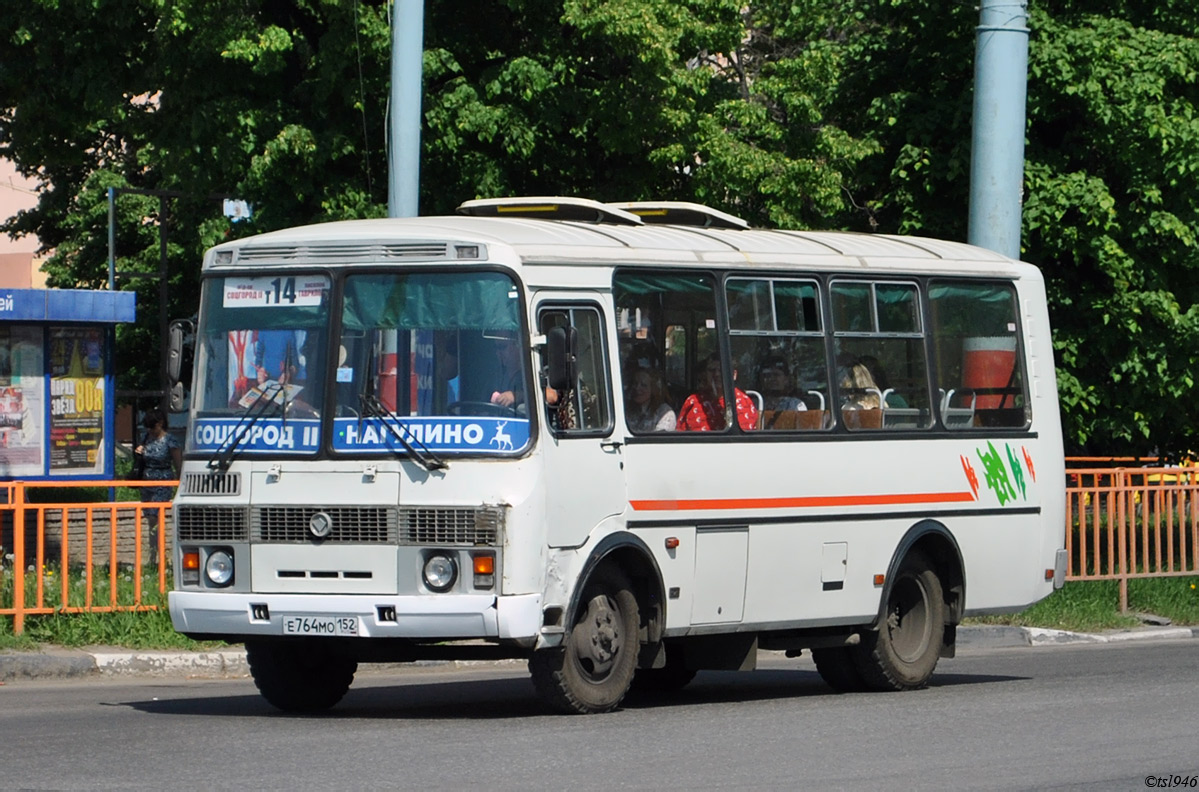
[(22, 451), (76, 368)]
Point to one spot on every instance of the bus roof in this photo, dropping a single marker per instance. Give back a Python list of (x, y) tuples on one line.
[(544, 240)]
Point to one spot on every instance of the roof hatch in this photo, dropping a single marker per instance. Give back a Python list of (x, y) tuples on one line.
[(550, 208), (682, 213)]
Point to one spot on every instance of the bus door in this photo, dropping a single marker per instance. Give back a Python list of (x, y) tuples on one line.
[(583, 465)]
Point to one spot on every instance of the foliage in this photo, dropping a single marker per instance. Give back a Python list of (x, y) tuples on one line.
[(1111, 213), (1111, 168), (793, 113)]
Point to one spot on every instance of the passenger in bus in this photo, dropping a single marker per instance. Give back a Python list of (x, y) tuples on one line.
[(511, 391), (859, 388), (776, 387), (645, 406), (704, 411)]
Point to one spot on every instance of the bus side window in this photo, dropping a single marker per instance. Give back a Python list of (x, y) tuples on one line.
[(676, 314), (879, 337), (777, 340), (585, 409), (980, 372)]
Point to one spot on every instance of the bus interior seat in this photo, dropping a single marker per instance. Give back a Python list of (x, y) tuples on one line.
[(862, 419), (957, 416), (791, 420)]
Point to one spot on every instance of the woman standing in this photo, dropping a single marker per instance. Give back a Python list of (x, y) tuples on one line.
[(162, 460), (162, 455)]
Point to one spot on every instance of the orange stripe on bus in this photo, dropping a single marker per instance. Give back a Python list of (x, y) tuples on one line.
[(816, 501)]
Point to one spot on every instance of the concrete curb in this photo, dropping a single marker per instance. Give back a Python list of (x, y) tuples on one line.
[(231, 663)]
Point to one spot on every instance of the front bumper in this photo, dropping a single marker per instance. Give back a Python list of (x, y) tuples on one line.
[(446, 617)]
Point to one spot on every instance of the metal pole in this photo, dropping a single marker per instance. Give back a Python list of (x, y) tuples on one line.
[(163, 292), (112, 239), (997, 158), (403, 162)]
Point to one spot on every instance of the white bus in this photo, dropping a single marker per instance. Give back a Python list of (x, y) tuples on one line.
[(505, 433)]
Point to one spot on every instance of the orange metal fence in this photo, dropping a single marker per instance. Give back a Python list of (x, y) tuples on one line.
[(71, 557), (1124, 523)]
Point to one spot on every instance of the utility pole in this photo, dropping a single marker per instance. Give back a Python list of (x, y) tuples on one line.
[(997, 156), (403, 151)]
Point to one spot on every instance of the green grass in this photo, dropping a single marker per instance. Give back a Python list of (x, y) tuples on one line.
[(132, 629), (1091, 605)]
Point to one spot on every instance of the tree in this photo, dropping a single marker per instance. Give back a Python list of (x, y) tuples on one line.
[(795, 113), (1110, 183)]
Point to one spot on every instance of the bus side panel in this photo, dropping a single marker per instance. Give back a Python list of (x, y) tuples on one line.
[(821, 519)]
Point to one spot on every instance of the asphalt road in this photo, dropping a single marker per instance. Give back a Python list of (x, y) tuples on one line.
[(1062, 717)]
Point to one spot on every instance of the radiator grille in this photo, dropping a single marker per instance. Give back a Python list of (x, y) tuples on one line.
[(344, 253), (211, 524), (446, 526), (351, 524), (212, 484)]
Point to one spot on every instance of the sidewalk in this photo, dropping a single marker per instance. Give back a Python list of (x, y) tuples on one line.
[(62, 663)]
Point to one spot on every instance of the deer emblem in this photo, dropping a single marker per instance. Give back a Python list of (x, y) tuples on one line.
[(502, 440)]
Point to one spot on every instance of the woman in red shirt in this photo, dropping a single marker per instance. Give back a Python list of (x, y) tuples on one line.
[(704, 411)]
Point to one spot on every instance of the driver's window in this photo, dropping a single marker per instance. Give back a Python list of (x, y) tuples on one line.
[(586, 407)]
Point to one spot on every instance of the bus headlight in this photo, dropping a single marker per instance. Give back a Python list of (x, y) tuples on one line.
[(219, 567), (440, 572)]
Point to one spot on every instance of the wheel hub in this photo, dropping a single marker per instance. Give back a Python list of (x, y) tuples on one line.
[(597, 638)]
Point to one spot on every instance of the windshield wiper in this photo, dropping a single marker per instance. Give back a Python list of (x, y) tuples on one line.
[(424, 457), (224, 454)]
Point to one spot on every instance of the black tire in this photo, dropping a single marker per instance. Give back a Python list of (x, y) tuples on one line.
[(300, 676), (839, 669), (670, 678), (902, 654), (592, 670)]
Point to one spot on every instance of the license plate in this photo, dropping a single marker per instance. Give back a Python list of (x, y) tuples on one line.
[(320, 625)]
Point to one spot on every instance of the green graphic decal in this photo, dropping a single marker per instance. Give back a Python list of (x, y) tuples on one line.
[(996, 475), (1017, 471)]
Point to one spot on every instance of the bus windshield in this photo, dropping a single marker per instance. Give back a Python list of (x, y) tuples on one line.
[(261, 364), (435, 359)]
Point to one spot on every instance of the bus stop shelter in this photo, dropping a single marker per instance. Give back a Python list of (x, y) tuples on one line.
[(56, 382)]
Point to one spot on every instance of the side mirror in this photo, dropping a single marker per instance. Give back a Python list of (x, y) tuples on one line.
[(177, 400), (180, 337), (561, 358), (177, 336)]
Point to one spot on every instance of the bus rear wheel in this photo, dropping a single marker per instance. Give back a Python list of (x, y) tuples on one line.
[(592, 670), (300, 676), (902, 654)]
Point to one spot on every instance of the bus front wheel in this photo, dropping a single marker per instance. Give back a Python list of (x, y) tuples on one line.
[(902, 654), (299, 676), (592, 670)]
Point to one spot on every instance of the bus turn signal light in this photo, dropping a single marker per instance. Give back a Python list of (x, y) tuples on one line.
[(672, 542), (191, 567), (484, 567), (879, 579)]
